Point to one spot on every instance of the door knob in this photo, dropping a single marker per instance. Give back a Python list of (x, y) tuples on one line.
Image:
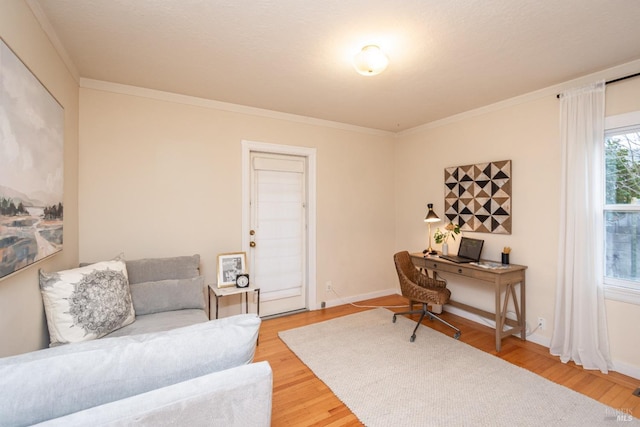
[(252, 244), (252, 232)]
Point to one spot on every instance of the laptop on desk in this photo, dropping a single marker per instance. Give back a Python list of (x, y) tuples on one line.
[(469, 251)]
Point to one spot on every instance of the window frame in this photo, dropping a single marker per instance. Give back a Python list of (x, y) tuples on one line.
[(618, 289)]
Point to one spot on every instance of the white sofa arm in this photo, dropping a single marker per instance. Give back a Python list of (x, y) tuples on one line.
[(59, 381), (238, 396)]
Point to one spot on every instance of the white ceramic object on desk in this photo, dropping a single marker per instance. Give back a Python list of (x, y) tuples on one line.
[(445, 249)]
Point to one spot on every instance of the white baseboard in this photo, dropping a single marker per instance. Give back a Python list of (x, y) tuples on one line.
[(538, 339), (620, 367), (340, 300), (626, 369)]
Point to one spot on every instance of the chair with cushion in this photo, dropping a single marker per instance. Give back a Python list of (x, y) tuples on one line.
[(420, 288)]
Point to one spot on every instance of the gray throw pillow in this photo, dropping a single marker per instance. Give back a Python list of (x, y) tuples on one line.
[(168, 295), (154, 269)]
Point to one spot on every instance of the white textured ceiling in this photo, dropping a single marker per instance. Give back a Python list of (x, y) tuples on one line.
[(294, 56)]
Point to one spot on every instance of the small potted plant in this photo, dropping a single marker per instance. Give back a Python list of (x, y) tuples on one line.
[(442, 237)]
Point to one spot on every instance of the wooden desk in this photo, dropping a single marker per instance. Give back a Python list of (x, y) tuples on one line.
[(506, 278)]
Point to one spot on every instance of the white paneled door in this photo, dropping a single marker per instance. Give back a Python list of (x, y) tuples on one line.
[(277, 253)]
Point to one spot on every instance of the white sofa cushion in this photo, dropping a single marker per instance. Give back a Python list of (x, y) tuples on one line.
[(161, 321), (54, 382), (88, 302)]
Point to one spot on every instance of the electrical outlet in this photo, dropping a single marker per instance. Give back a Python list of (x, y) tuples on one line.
[(328, 286), (542, 323)]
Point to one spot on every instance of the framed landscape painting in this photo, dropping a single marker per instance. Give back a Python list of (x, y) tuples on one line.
[(31, 167)]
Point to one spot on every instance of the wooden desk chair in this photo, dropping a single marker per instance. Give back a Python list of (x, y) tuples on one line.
[(420, 288)]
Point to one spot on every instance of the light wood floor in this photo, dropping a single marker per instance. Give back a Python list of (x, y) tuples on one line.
[(301, 399)]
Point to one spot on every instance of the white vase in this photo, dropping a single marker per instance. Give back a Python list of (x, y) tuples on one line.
[(445, 249)]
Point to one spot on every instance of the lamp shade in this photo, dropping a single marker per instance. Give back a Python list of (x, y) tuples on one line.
[(370, 61), (431, 215)]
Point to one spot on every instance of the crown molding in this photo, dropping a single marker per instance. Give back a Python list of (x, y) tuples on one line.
[(46, 26), (224, 106), (551, 91)]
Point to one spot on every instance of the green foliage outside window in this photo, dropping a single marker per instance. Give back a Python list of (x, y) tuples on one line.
[(622, 154), (622, 223)]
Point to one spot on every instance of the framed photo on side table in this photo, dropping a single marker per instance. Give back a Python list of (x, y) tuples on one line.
[(229, 266)]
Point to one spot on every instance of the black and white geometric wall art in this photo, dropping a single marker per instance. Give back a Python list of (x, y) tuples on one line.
[(478, 197)]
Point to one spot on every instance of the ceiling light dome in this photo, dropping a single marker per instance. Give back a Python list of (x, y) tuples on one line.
[(370, 61)]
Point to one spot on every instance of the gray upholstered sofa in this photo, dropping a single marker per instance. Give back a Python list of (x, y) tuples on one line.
[(118, 297), (171, 366)]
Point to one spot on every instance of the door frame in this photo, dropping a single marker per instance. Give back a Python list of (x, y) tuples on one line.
[(310, 155)]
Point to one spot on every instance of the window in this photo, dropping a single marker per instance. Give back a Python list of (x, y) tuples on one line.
[(622, 208)]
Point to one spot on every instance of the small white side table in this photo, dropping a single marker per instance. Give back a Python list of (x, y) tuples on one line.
[(223, 292)]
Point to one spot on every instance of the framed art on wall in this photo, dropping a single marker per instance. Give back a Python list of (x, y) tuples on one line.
[(31, 167), (478, 197), (229, 266)]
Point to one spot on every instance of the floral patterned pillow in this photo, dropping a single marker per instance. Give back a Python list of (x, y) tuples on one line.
[(88, 302)]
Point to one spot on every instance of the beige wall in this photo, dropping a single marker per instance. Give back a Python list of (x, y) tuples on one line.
[(163, 178), (528, 134), (22, 324)]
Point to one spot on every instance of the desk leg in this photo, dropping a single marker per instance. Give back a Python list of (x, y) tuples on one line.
[(216, 306), (498, 311), (523, 314), (501, 312), (512, 289), (246, 302)]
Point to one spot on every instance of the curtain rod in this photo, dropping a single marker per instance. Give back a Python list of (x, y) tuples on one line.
[(615, 80)]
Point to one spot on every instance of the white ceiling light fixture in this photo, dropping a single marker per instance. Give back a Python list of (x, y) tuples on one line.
[(370, 61)]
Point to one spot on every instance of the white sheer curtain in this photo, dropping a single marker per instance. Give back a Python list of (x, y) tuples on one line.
[(580, 327)]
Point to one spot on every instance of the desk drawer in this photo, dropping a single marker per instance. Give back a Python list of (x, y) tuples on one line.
[(459, 269), (448, 268)]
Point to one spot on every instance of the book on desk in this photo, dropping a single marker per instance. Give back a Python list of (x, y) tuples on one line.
[(490, 265)]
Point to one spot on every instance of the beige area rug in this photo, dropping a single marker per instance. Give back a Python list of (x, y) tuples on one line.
[(369, 363)]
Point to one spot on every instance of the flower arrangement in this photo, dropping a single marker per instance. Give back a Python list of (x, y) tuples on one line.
[(451, 230)]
